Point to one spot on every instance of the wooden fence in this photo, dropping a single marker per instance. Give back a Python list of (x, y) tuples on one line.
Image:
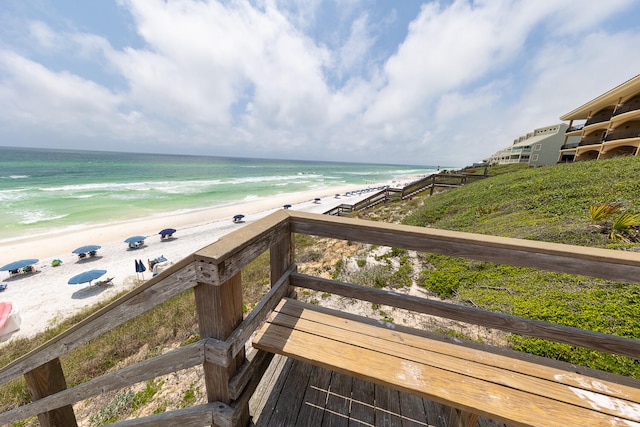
[(214, 273), (427, 183)]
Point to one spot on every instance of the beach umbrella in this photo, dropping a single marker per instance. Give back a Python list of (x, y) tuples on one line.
[(86, 276), (286, 206), (17, 265), (238, 217), (167, 232), (85, 249), (134, 239)]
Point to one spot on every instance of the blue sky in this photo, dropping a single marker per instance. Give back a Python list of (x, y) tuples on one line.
[(408, 82)]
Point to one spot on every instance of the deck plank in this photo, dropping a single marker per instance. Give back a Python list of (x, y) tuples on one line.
[(270, 395), (363, 404), (488, 385), (338, 401), (315, 398), (387, 407)]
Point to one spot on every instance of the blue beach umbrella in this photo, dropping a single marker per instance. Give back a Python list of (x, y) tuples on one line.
[(167, 232), (85, 277), (17, 265), (238, 218), (287, 206), (134, 239), (85, 249)]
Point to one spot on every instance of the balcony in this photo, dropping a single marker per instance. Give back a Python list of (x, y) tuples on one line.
[(623, 134), (601, 116), (591, 140), (575, 128), (631, 105), (570, 146)]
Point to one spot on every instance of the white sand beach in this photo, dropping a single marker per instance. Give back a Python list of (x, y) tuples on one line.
[(44, 297)]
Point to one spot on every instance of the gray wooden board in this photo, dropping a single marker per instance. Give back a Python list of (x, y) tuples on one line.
[(315, 398), (362, 406), (412, 410), (338, 401), (387, 407), (277, 382), (291, 397)]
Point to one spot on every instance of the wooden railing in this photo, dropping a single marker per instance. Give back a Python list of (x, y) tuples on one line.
[(214, 273), (430, 182)]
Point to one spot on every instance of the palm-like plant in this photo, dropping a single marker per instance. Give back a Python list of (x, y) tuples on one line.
[(622, 223), (602, 211)]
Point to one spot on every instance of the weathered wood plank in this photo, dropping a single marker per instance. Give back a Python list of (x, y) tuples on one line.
[(390, 400), (595, 262), (169, 283), (219, 308), (235, 250), (291, 397), (315, 398), (363, 404), (338, 401), (413, 411), (268, 417), (200, 415), (260, 312), (175, 360), (47, 380), (254, 366), (552, 382), (519, 325), (421, 372), (265, 390)]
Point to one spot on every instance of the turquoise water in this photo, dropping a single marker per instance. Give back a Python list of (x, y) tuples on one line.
[(43, 190)]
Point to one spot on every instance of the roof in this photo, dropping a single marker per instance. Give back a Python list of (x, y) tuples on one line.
[(534, 139), (626, 89)]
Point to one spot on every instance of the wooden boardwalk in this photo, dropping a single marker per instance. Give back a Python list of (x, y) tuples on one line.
[(293, 393)]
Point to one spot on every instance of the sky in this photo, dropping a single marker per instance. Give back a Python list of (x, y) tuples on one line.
[(396, 82)]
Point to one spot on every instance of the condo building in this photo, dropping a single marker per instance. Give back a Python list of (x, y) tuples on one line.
[(606, 127), (537, 148)]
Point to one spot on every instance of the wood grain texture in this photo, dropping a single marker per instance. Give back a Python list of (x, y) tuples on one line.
[(473, 384), (47, 380), (550, 331), (182, 358), (200, 415), (595, 262)]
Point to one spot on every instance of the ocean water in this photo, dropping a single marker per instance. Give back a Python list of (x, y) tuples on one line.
[(43, 190)]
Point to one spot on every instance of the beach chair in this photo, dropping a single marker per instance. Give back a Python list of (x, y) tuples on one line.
[(104, 282)]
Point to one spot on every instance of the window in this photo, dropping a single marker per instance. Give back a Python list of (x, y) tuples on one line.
[(534, 158), (537, 147)]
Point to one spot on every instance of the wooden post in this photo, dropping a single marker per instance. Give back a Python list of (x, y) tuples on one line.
[(433, 184), (282, 256), (44, 381), (458, 418), (219, 313)]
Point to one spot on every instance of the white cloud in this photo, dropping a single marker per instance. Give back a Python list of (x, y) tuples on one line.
[(277, 79)]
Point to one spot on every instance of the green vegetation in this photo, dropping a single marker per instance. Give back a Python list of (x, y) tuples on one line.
[(569, 203)]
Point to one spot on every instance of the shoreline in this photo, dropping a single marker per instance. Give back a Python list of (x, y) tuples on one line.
[(44, 297)]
